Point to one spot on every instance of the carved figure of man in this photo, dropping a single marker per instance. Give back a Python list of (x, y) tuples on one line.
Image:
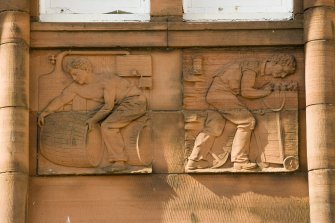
[(231, 82), (122, 102)]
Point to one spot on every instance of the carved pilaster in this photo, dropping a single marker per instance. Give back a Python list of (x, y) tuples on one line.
[(320, 110), (14, 100)]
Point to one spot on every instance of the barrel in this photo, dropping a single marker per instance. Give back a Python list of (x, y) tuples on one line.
[(65, 140)]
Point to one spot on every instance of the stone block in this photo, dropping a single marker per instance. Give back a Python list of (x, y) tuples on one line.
[(166, 8), (320, 72), (314, 3), (14, 27), (18, 5), (321, 184), (13, 197), (319, 23), (170, 198), (320, 130), (14, 137), (168, 134), (14, 78)]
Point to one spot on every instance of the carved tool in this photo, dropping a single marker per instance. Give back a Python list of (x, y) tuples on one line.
[(219, 160), (278, 121), (258, 142)]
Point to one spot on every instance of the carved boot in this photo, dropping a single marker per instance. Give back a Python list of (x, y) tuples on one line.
[(192, 165), (116, 167), (245, 166)]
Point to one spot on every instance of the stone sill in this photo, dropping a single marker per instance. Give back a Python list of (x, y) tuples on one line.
[(172, 25), (167, 34)]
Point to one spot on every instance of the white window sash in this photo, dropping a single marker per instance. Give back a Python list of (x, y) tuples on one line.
[(230, 10), (99, 11)]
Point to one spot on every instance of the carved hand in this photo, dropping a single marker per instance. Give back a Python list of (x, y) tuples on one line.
[(91, 123), (269, 87), (40, 120), (268, 92)]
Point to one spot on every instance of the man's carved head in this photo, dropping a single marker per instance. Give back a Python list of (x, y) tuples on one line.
[(283, 64), (80, 70), (79, 63)]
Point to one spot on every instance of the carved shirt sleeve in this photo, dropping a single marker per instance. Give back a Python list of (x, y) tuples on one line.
[(228, 80), (248, 89)]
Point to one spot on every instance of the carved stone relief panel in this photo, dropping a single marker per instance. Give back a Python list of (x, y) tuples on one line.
[(132, 112), (241, 111), (93, 113)]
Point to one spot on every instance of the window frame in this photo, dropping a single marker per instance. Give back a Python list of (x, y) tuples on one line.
[(69, 13), (240, 12)]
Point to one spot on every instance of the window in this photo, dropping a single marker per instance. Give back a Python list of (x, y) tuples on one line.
[(94, 10), (237, 10)]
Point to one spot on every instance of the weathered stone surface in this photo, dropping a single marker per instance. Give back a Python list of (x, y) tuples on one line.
[(320, 72), (93, 112), (14, 78), (298, 8), (164, 197), (166, 142), (320, 130), (33, 135), (14, 121), (321, 183), (216, 38), (319, 23), (167, 88), (13, 197), (302, 141), (161, 74), (314, 3), (166, 69), (214, 59), (34, 9), (14, 137), (154, 34), (115, 26), (19, 5), (320, 63), (170, 198), (14, 27), (155, 38), (270, 132), (166, 8), (168, 135)]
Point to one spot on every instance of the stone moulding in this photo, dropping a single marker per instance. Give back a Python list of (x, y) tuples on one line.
[(240, 115), (67, 143)]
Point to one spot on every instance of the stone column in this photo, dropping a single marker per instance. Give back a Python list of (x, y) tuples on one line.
[(320, 107), (14, 104)]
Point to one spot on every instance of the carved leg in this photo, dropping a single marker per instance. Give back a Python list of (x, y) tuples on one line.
[(202, 145), (115, 148), (240, 147), (124, 114), (214, 126), (114, 144), (241, 144)]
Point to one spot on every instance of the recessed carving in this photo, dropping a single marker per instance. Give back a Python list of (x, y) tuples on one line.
[(95, 119), (242, 117)]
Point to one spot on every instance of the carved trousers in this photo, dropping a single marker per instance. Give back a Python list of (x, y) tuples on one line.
[(130, 109), (203, 143), (245, 122), (241, 144)]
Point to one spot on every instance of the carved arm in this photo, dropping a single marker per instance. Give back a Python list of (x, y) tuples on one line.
[(247, 86)]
